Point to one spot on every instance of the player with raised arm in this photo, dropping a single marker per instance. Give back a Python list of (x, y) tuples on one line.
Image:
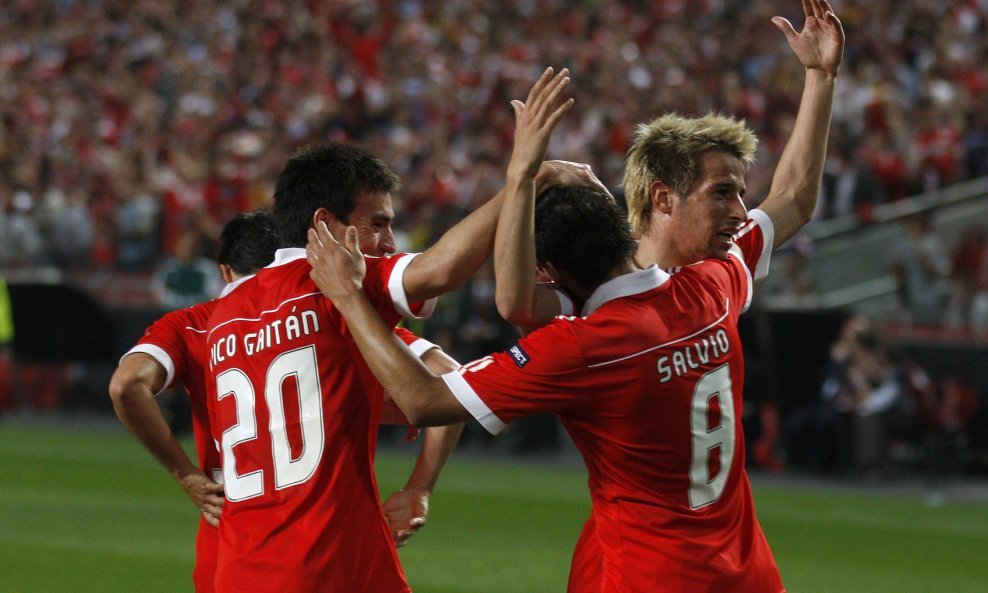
[(684, 179), (646, 381), (295, 403), (684, 182)]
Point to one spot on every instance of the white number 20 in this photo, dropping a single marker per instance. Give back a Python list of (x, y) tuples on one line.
[(288, 471), (712, 425)]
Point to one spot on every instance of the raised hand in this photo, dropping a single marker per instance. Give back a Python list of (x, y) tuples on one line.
[(535, 120), (337, 270), (820, 45), (568, 174)]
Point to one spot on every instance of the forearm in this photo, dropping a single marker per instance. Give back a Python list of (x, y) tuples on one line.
[(514, 252), (796, 182), (139, 413), (456, 255), (437, 446)]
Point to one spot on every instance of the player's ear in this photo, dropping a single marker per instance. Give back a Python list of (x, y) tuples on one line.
[(541, 274), (336, 227), (547, 272), (661, 197), (227, 273)]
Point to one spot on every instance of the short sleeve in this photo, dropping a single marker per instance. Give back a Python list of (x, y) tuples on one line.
[(754, 242), (543, 372), (162, 341), (396, 288), (418, 346)]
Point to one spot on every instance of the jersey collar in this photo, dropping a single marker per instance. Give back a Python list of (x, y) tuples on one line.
[(282, 256), (233, 285), (625, 285), (287, 254)]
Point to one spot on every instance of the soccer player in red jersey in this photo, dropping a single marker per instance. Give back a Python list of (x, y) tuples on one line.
[(644, 382), (648, 381), (295, 404), (172, 351), (684, 183)]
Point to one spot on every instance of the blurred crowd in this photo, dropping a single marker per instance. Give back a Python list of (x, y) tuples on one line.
[(126, 125), (941, 282)]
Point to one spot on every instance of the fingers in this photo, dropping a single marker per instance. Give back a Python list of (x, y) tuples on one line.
[(543, 95), (786, 27), (541, 82), (402, 536), (210, 519), (325, 237), (811, 8), (353, 241), (560, 112), (831, 16), (320, 239), (549, 96), (212, 510)]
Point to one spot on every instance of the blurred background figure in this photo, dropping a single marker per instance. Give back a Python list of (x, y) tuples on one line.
[(187, 277), (921, 265)]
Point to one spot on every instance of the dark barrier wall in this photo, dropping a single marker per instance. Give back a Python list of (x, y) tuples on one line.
[(57, 323), (787, 353)]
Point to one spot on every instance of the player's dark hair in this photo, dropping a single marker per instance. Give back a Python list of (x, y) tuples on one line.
[(329, 176), (248, 242), (582, 232)]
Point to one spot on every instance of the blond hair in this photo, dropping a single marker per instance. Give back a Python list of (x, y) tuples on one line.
[(668, 149)]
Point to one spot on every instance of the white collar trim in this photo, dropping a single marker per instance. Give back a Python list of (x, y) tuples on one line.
[(625, 285), (281, 257)]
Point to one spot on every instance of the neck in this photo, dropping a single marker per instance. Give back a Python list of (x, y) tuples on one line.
[(583, 292), (653, 250)]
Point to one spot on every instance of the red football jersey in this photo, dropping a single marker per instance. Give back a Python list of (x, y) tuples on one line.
[(648, 384), (296, 412), (178, 342)]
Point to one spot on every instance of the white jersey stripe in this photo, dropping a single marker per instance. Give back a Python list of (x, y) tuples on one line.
[(263, 313), (472, 402), (727, 309), (160, 355)]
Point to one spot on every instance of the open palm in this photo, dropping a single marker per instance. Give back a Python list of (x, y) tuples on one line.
[(820, 45)]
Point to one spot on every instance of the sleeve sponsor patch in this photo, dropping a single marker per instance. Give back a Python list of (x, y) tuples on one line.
[(518, 355)]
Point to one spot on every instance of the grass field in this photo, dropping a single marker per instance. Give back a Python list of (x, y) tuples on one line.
[(87, 511)]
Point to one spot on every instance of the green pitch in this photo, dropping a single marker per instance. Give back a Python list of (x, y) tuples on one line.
[(91, 512)]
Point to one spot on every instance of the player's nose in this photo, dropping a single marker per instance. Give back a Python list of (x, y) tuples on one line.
[(387, 242)]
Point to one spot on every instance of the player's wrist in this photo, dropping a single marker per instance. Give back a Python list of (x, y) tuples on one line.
[(520, 176), (347, 297), (819, 75)]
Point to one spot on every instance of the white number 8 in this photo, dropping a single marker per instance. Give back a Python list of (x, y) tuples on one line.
[(712, 426)]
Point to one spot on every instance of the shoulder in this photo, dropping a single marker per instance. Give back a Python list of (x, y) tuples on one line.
[(717, 281), (555, 345)]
